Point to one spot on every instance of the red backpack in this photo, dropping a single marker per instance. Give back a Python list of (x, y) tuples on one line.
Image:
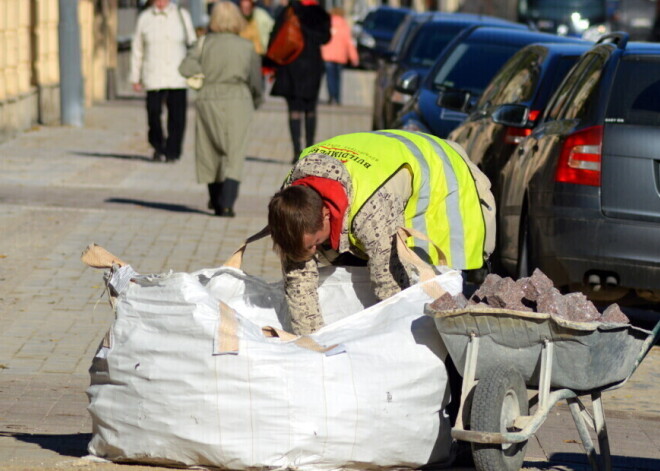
[(288, 42)]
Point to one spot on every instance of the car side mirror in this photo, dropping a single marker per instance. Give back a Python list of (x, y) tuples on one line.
[(471, 104), (458, 100), (511, 115), (408, 83)]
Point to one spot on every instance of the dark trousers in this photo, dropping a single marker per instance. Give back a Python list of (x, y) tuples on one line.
[(333, 80), (176, 102)]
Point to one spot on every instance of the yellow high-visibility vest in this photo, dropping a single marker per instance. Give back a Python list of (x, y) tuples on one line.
[(444, 203)]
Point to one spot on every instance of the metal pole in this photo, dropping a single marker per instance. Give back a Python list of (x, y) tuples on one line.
[(197, 12), (71, 81)]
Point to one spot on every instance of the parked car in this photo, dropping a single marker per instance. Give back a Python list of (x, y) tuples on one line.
[(387, 62), (512, 102), (419, 41), (635, 17), (460, 75), (580, 199), (375, 31), (588, 19)]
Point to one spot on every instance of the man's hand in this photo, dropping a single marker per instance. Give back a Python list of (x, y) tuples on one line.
[(137, 87)]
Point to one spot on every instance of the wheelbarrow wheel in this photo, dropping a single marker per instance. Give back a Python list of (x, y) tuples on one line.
[(499, 398)]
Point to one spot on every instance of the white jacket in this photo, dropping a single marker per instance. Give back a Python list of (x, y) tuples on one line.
[(159, 46)]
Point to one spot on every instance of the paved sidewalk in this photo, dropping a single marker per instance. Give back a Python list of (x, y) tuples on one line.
[(62, 188)]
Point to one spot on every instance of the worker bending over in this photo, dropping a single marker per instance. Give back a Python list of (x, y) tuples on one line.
[(346, 197)]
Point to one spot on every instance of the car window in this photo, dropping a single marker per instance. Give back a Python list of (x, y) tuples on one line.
[(383, 20), (470, 66), (580, 101), (428, 43), (579, 76), (636, 95), (400, 34), (561, 69), (516, 80)]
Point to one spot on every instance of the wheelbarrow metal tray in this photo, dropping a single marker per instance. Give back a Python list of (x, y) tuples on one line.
[(587, 355)]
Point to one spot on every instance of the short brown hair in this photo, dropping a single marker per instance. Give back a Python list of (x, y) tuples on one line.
[(226, 18), (292, 212)]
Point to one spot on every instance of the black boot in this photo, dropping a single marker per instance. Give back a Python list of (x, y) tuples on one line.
[(295, 125), (228, 196), (215, 190), (310, 128)]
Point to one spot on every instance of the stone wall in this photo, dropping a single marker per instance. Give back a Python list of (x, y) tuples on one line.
[(29, 59)]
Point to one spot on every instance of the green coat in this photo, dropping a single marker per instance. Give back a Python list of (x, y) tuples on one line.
[(232, 90)]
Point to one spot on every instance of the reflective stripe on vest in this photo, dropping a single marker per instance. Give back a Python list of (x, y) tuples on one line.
[(452, 201), (441, 205)]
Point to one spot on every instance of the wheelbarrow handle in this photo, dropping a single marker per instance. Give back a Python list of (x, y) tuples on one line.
[(646, 346)]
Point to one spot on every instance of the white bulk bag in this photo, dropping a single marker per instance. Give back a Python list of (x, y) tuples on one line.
[(190, 375)]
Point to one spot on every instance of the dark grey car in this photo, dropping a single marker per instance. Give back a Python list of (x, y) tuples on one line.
[(510, 106), (580, 199)]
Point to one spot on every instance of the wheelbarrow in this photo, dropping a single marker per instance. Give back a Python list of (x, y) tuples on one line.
[(501, 353)]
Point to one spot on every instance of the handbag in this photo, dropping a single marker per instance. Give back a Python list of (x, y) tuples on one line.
[(196, 81), (288, 42), (189, 41)]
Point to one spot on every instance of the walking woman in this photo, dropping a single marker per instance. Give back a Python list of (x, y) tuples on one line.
[(225, 104), (337, 53), (299, 82)]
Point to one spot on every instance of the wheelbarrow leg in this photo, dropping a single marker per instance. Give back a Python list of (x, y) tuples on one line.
[(601, 431), (576, 408), (469, 373), (545, 377)]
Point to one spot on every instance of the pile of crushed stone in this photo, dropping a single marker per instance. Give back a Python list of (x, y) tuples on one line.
[(532, 294)]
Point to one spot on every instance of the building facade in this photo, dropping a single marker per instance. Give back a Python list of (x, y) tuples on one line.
[(29, 59)]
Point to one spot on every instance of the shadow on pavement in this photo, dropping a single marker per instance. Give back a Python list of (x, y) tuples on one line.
[(267, 161), (69, 445), (176, 208), (116, 156), (145, 158), (580, 462)]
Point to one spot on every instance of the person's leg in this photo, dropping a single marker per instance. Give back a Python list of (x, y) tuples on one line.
[(215, 192), (310, 127), (176, 122), (155, 132), (332, 79), (228, 196), (295, 123), (328, 80), (310, 122), (338, 71)]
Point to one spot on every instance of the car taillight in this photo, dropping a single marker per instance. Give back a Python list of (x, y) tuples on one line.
[(516, 135), (579, 161), (533, 114)]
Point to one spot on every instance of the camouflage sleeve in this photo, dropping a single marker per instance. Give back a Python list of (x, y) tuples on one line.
[(375, 226), (301, 282)]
